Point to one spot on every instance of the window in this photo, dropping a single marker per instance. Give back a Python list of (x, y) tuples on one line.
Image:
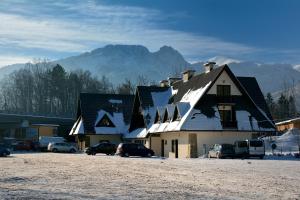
[(157, 118), (223, 90), (105, 122), (225, 112), (227, 116), (176, 115), (166, 116)]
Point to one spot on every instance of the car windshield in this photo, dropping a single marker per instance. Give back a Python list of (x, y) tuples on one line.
[(227, 146), (242, 144), (256, 143)]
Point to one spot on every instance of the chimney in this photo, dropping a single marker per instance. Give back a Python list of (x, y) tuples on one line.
[(173, 80), (209, 66), (187, 75), (164, 83)]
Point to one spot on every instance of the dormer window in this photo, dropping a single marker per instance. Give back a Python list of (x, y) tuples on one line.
[(176, 116), (157, 118), (166, 116), (105, 122), (223, 90)]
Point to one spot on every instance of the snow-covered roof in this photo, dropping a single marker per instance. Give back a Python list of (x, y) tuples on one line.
[(137, 133), (77, 128), (117, 119), (185, 96), (93, 107)]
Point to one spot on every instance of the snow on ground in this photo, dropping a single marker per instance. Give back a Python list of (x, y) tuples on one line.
[(78, 176)]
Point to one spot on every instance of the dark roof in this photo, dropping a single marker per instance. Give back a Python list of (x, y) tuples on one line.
[(6, 118), (91, 103), (251, 86), (197, 81), (145, 97)]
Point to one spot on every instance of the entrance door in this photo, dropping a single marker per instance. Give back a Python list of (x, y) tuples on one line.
[(193, 145), (162, 148), (176, 148)]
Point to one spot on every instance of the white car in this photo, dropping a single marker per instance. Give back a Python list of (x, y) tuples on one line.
[(62, 147)]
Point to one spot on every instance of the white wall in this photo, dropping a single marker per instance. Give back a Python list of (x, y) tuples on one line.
[(224, 79)]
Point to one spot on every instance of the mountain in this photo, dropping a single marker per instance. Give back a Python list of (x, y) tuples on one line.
[(119, 62)]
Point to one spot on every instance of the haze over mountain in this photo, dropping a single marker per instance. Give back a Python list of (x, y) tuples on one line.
[(119, 62)]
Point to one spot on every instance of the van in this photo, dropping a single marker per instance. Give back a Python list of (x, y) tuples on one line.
[(256, 148), (241, 149), (45, 140)]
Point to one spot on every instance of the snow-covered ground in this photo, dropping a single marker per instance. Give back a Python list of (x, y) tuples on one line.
[(78, 176)]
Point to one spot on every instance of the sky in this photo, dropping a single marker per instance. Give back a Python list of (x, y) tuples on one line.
[(256, 30)]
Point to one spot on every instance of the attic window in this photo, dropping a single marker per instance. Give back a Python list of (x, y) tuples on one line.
[(105, 122), (176, 115), (223, 90), (166, 116), (157, 118)]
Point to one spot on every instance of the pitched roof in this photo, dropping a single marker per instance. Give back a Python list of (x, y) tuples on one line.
[(251, 86), (146, 97), (90, 104), (196, 82)]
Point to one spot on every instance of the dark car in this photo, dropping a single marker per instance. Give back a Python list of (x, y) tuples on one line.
[(23, 146), (132, 149), (4, 151), (105, 147), (222, 151)]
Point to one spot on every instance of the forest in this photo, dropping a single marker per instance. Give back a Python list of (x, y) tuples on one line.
[(45, 89)]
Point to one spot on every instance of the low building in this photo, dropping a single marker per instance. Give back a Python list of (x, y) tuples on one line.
[(288, 124), (184, 119), (101, 117), (30, 127)]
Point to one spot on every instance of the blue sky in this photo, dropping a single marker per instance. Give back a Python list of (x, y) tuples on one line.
[(257, 30)]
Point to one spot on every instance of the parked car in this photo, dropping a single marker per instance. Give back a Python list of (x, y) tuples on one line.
[(23, 146), (132, 149), (45, 140), (62, 147), (256, 148), (222, 151), (104, 147), (241, 149), (4, 151)]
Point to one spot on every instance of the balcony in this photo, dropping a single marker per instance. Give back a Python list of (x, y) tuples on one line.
[(224, 99), (229, 124)]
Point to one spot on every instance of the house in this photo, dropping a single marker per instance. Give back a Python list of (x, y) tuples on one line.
[(288, 124), (184, 118), (101, 117), (31, 127)]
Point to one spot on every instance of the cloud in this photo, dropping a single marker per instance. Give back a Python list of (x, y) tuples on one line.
[(12, 59), (77, 26)]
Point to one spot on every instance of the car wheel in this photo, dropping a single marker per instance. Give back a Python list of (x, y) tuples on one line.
[(4, 154), (54, 150), (72, 151), (149, 155), (218, 156), (126, 154), (261, 157)]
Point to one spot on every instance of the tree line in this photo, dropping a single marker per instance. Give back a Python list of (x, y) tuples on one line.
[(284, 107), (42, 88)]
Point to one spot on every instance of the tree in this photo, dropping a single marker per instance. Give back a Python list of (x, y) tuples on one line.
[(126, 88)]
